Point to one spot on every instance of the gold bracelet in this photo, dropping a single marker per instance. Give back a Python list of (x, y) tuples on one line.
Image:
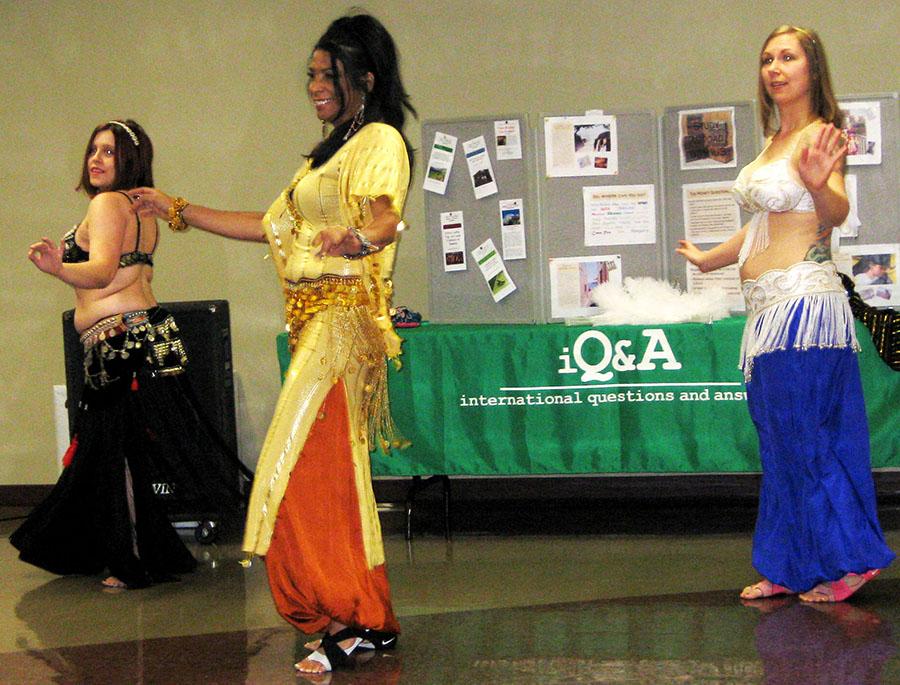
[(176, 218)]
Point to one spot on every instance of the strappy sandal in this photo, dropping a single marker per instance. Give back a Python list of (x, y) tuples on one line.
[(764, 589), (839, 590), (376, 639), (330, 654)]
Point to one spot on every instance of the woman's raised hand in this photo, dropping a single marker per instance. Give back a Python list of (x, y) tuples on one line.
[(151, 201), (46, 255), (823, 156)]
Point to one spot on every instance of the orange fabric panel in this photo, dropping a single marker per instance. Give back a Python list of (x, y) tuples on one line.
[(316, 562)]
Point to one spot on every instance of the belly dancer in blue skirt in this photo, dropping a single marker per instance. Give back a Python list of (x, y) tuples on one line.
[(817, 532)]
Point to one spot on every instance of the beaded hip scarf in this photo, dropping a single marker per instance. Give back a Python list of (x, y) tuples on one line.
[(304, 299)]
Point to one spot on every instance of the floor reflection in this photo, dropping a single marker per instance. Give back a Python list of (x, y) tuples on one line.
[(507, 611), (826, 644)]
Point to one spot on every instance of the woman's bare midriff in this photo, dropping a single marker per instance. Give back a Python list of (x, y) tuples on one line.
[(129, 291), (791, 237)]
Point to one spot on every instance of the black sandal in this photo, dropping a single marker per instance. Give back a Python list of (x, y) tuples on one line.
[(332, 655), (376, 639)]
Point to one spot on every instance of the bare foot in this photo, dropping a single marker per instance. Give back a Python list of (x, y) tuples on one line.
[(114, 583), (764, 589)]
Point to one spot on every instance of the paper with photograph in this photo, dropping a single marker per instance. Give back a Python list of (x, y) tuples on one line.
[(710, 213), (619, 215), (440, 163), (512, 229), (707, 138), (480, 171), (494, 270), (862, 126), (453, 241), (874, 272), (507, 139), (581, 145), (726, 279), (573, 279)]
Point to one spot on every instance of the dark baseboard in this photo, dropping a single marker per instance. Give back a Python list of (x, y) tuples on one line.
[(23, 495)]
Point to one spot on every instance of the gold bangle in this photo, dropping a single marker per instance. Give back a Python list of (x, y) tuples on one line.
[(176, 218)]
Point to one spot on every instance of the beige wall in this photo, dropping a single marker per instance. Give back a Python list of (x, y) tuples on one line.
[(219, 86)]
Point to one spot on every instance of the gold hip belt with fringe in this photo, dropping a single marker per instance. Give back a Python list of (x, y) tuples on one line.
[(304, 299)]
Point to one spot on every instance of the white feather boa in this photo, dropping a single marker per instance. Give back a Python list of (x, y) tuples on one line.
[(649, 301)]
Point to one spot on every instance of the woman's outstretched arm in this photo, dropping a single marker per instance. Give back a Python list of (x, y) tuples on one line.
[(230, 224)]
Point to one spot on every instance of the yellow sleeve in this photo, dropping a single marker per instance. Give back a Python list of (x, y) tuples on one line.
[(375, 165)]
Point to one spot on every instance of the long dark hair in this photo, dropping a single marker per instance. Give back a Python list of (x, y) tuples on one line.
[(362, 45), (821, 95), (134, 157)]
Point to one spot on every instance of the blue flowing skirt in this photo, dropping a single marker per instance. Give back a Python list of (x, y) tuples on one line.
[(817, 517)]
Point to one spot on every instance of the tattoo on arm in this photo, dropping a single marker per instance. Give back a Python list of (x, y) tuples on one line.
[(820, 251)]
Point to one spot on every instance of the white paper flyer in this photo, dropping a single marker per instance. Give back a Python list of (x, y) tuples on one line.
[(619, 215), (863, 130), (480, 170), (494, 270), (850, 227), (508, 139), (512, 229), (710, 213), (581, 146), (707, 138), (453, 241), (573, 279), (437, 174), (726, 279)]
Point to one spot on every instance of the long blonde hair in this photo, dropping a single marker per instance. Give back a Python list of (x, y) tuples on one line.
[(821, 95)]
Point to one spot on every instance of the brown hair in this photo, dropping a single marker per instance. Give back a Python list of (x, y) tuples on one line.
[(134, 160), (821, 95)]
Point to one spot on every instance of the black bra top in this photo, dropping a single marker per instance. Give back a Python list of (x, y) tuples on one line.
[(74, 254)]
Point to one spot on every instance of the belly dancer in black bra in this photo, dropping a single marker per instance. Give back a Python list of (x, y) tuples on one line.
[(137, 423), (817, 533)]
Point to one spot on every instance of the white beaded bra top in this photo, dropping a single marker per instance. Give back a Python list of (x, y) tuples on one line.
[(771, 186)]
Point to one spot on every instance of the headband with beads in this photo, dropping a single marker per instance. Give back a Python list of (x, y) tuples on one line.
[(131, 133)]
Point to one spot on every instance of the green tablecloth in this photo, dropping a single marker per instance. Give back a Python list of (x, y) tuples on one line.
[(498, 400)]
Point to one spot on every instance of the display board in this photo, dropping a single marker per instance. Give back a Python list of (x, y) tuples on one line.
[(875, 127), (872, 175), (463, 295), (562, 202), (690, 156), (601, 204)]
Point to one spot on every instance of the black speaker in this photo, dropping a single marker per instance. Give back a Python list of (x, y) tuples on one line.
[(206, 331)]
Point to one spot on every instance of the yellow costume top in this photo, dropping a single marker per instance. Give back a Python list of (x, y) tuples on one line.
[(338, 318)]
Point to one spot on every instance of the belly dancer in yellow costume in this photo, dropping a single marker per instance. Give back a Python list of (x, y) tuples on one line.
[(331, 233)]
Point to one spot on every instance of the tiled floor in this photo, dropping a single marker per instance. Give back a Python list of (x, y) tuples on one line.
[(599, 608)]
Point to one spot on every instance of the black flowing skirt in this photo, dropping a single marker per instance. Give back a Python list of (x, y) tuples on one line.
[(140, 438)]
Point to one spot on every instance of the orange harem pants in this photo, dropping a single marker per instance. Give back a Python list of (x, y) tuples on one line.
[(316, 561)]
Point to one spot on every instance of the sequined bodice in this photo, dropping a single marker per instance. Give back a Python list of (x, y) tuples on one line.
[(771, 187)]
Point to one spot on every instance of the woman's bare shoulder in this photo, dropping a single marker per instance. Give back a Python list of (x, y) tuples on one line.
[(109, 203)]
